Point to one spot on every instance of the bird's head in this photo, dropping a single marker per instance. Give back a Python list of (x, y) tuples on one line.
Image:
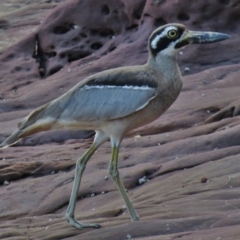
[(169, 39)]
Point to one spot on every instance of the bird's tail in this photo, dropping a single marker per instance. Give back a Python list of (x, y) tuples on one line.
[(35, 122), (13, 138), (39, 126)]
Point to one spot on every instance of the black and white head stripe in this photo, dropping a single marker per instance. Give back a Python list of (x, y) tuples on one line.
[(162, 34), (160, 40)]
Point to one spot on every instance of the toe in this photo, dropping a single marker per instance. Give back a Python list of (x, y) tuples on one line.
[(97, 226)]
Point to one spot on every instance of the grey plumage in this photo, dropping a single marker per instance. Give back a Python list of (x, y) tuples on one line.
[(115, 101), (105, 102)]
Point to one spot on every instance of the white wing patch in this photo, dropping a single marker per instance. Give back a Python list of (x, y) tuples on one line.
[(163, 34), (144, 87)]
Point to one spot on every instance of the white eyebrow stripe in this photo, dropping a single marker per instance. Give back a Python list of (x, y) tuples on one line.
[(163, 33), (144, 87)]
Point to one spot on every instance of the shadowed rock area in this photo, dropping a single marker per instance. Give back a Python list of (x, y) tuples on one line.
[(190, 156)]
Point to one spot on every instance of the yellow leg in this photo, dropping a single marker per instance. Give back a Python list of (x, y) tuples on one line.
[(80, 167), (113, 171)]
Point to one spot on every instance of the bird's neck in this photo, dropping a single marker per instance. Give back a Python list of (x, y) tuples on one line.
[(168, 71), (166, 65), (163, 63)]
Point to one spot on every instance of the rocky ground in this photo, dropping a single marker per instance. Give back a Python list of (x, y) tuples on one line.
[(189, 157)]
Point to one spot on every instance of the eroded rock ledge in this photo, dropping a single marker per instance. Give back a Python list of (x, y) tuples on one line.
[(190, 155)]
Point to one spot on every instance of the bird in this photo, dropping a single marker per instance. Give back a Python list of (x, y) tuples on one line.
[(115, 101)]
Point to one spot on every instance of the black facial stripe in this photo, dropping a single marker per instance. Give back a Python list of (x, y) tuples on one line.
[(123, 82), (163, 42), (155, 34), (181, 44)]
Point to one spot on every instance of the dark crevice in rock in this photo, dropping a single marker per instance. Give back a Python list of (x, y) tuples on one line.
[(111, 48), (96, 45), (55, 70), (225, 2), (76, 39), (120, 212), (183, 17), (134, 26), (106, 32), (62, 55), (83, 35), (9, 57), (105, 9), (9, 174), (50, 54), (137, 12), (66, 27), (159, 22), (158, 2), (146, 15), (204, 8), (3, 24), (18, 69), (93, 32), (77, 55)]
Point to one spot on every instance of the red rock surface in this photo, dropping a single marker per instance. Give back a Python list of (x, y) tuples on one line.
[(190, 155)]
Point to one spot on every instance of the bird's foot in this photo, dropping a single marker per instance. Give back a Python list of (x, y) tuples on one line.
[(135, 218), (79, 225)]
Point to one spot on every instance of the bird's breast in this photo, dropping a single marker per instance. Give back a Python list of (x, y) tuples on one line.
[(169, 90)]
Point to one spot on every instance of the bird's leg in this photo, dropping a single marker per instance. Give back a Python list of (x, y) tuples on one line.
[(99, 139), (80, 167), (113, 171)]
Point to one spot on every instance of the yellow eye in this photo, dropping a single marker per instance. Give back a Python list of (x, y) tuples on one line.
[(172, 33)]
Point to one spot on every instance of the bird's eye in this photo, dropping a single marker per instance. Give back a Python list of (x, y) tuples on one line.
[(172, 34)]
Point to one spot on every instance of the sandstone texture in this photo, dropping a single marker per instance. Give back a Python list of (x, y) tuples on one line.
[(190, 157)]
